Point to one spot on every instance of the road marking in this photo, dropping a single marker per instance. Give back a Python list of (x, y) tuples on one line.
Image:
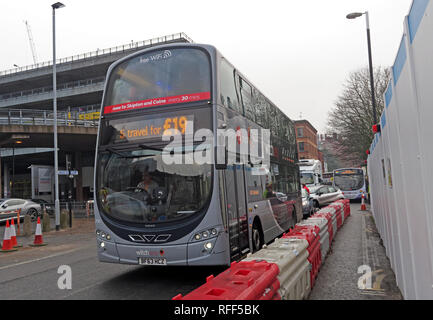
[(43, 258), (380, 293)]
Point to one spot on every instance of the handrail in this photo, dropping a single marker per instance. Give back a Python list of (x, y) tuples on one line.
[(44, 117), (108, 51)]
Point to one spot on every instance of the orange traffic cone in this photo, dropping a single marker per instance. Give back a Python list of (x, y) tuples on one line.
[(363, 207), (13, 235), (38, 235), (7, 243)]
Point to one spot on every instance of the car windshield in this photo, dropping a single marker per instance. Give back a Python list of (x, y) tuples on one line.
[(307, 178), (138, 186), (349, 182), (313, 190)]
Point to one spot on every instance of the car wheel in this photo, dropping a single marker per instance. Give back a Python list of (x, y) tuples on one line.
[(33, 213), (316, 204)]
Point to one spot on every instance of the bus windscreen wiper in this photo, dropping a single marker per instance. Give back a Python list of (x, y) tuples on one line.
[(146, 147), (111, 150)]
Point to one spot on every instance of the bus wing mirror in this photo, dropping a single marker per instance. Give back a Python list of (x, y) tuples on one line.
[(221, 164)]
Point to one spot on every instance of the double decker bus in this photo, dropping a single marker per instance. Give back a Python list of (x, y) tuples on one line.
[(151, 212), (351, 181)]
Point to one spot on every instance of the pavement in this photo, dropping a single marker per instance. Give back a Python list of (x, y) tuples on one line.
[(356, 248), (33, 273)]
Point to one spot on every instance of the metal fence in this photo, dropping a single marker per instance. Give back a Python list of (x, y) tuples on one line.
[(48, 89), (43, 117), (400, 162), (109, 51), (80, 209)]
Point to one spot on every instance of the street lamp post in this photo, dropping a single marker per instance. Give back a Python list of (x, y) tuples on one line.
[(55, 6), (355, 15)]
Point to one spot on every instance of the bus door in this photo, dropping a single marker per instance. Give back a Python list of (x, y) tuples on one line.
[(236, 211)]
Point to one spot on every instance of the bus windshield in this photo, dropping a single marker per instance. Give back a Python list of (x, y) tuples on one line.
[(139, 187), (349, 182), (160, 77)]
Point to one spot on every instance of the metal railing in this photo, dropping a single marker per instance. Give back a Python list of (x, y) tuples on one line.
[(79, 208), (49, 89), (43, 117), (109, 51)]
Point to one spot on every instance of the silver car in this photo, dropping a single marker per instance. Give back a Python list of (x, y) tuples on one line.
[(9, 208), (324, 195)]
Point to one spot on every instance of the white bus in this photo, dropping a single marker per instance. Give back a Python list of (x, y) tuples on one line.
[(351, 181)]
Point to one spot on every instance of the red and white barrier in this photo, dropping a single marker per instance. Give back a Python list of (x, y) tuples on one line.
[(284, 270), (291, 257), (322, 223), (244, 280)]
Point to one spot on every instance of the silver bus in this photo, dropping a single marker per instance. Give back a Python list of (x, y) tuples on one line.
[(351, 181), (151, 213)]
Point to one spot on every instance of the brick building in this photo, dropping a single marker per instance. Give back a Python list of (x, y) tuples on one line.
[(306, 136)]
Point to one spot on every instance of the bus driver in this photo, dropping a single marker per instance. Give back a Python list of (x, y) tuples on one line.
[(146, 183)]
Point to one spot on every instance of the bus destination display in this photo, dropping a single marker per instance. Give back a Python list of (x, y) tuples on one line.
[(151, 128), (348, 171), (128, 106)]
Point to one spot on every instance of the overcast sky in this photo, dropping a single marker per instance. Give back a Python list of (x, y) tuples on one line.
[(298, 53)]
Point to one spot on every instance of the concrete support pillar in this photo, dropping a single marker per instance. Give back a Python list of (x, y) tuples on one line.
[(79, 178), (5, 180)]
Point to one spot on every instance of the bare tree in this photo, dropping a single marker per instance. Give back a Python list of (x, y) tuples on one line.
[(352, 117)]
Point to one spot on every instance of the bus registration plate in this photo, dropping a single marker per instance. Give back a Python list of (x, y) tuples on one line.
[(152, 261)]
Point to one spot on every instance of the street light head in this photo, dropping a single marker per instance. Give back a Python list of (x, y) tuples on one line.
[(354, 15), (57, 5)]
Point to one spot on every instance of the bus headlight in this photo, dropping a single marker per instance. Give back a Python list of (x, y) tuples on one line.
[(205, 234), (208, 246)]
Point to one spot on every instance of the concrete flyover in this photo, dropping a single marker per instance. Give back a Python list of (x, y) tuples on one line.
[(21, 128), (70, 137)]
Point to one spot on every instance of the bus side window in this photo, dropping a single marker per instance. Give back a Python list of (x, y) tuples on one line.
[(247, 100), (228, 97), (260, 108)]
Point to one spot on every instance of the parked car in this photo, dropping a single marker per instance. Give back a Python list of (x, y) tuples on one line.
[(324, 195), (307, 204), (9, 208), (281, 196), (48, 206)]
